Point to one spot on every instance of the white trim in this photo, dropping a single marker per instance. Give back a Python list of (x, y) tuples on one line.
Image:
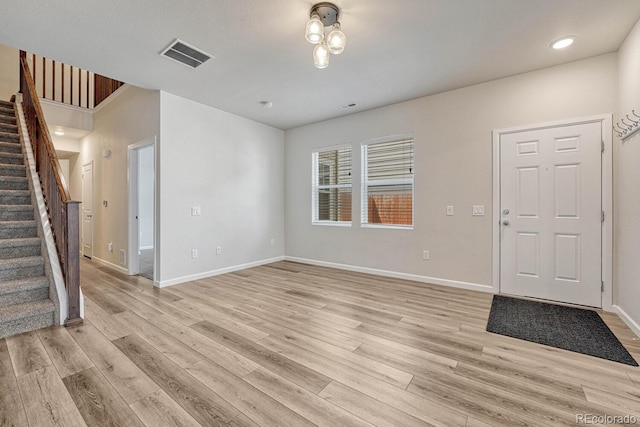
[(109, 264), (332, 223), (56, 270), (628, 320), (90, 162), (132, 197), (58, 104), (395, 274), (332, 148), (605, 121), (111, 97), (203, 275), (142, 248)]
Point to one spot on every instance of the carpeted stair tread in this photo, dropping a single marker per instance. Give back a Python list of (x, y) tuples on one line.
[(18, 229), (15, 197), (12, 137), (10, 147), (6, 264), (16, 213), (29, 316), (11, 158), (10, 120), (25, 284), (14, 183), (24, 290), (6, 104), (5, 127), (13, 170), (18, 248), (20, 268), (17, 311)]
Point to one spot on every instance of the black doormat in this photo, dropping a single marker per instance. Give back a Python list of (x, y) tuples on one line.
[(573, 329)]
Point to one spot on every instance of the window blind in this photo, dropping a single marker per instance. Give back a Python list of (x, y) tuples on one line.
[(387, 183), (331, 192)]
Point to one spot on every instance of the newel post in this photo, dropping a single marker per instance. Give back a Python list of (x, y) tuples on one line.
[(73, 262)]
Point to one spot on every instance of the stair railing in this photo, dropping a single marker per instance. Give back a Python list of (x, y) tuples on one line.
[(63, 212), (67, 84)]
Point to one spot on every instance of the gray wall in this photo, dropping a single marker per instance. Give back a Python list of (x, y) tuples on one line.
[(453, 166), (232, 168), (132, 116), (627, 185)]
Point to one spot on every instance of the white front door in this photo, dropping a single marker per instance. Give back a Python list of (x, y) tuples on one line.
[(87, 210), (550, 212)]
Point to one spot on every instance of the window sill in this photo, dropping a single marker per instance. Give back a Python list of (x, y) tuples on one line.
[(332, 223), (388, 226)]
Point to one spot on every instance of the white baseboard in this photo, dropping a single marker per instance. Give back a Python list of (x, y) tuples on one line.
[(628, 320), (395, 274), (203, 275), (110, 264)]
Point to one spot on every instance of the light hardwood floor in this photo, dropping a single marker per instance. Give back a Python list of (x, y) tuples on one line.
[(296, 345)]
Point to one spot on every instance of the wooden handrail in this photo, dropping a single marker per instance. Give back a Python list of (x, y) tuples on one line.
[(63, 212)]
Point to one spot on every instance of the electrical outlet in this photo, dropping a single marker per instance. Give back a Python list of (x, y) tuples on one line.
[(218, 250), (196, 211), (194, 253), (110, 246), (450, 210), (425, 255), (123, 257), (273, 241)]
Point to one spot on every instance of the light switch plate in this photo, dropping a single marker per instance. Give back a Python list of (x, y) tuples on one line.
[(195, 211), (449, 210), (478, 210)]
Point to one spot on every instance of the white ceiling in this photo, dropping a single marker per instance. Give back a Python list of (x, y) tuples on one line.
[(396, 49)]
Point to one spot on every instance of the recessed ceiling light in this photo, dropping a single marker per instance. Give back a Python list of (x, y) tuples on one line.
[(59, 132), (266, 104), (563, 42), (348, 106)]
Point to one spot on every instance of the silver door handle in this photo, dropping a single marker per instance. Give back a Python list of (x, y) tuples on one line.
[(505, 222)]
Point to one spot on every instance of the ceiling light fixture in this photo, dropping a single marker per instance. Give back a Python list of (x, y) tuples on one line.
[(325, 15), (563, 42), (59, 132)]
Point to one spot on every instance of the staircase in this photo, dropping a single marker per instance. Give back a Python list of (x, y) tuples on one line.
[(25, 302)]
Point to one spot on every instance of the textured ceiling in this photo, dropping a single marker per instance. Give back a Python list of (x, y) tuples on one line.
[(396, 49)]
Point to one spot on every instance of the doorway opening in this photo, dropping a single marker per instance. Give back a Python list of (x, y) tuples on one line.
[(142, 208)]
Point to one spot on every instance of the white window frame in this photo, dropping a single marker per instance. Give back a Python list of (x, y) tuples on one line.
[(316, 187), (364, 199)]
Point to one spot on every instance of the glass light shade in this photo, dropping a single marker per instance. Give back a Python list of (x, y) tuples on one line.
[(321, 55), (336, 40), (315, 30)]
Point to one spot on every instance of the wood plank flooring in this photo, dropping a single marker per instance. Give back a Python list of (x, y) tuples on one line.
[(295, 345)]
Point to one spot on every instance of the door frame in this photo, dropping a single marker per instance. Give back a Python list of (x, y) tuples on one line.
[(90, 162), (606, 249), (133, 266)]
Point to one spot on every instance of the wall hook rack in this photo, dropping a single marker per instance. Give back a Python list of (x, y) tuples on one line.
[(626, 130)]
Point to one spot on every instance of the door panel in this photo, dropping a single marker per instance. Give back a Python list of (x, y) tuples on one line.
[(550, 204)]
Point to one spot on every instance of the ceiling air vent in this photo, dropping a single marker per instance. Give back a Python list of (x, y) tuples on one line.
[(185, 54)]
